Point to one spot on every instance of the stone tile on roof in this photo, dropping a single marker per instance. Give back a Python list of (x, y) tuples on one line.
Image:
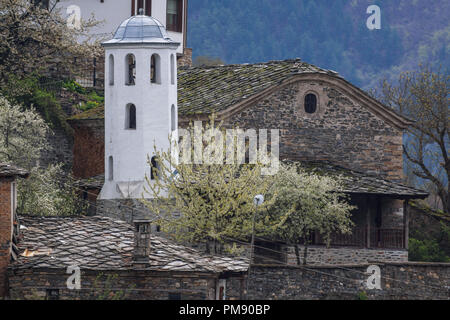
[(7, 170), (363, 183), (71, 241), (204, 90)]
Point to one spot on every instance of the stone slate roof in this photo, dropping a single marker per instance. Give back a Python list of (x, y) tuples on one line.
[(204, 90), (363, 183), (213, 89), (96, 182), (7, 171), (100, 243)]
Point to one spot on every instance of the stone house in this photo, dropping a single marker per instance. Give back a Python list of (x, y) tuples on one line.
[(8, 219), (115, 260), (325, 122)]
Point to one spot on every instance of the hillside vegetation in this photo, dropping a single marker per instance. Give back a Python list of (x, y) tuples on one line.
[(331, 34)]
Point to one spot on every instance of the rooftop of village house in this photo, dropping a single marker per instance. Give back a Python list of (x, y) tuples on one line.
[(100, 243), (7, 170)]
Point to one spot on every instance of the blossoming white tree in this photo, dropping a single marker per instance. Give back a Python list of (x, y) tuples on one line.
[(213, 204), (306, 202), (23, 137)]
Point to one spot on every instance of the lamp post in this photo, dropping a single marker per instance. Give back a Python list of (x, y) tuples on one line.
[(258, 201)]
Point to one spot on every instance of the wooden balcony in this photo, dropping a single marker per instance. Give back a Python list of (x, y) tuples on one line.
[(379, 238)]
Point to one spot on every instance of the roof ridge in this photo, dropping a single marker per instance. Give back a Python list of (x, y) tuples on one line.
[(291, 60)]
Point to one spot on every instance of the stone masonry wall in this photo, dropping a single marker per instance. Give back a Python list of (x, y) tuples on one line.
[(341, 131), (319, 255), (133, 285), (5, 232), (399, 281)]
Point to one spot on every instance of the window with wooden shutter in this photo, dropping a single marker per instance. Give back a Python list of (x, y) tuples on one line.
[(175, 15)]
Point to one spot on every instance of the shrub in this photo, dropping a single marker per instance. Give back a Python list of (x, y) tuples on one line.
[(74, 86), (94, 101), (427, 250)]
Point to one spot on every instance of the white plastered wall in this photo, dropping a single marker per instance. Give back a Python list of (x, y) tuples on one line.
[(130, 148), (112, 13)]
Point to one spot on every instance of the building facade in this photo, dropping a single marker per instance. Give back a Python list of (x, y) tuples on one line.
[(115, 261), (8, 222)]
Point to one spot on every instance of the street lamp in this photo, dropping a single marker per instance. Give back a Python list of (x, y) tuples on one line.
[(258, 201)]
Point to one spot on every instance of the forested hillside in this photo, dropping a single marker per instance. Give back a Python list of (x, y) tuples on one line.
[(331, 34)]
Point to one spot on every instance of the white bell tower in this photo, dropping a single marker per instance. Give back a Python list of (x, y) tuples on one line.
[(140, 103)]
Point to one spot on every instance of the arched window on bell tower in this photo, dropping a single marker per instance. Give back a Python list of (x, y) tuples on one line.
[(173, 118), (154, 168), (111, 70), (172, 69), (155, 69), (130, 70), (130, 117), (110, 168)]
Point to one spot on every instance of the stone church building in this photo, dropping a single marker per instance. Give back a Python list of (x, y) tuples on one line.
[(325, 122)]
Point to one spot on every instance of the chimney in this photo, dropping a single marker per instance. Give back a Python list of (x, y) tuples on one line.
[(142, 232)]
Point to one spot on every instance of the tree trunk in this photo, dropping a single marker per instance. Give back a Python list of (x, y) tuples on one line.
[(446, 202), (305, 253), (297, 254)]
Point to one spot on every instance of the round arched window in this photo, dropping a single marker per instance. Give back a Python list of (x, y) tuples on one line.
[(310, 103)]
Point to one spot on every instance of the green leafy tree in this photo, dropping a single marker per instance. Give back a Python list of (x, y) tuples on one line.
[(427, 250), (305, 203)]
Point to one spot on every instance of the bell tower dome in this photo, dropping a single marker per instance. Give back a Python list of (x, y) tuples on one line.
[(140, 103)]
